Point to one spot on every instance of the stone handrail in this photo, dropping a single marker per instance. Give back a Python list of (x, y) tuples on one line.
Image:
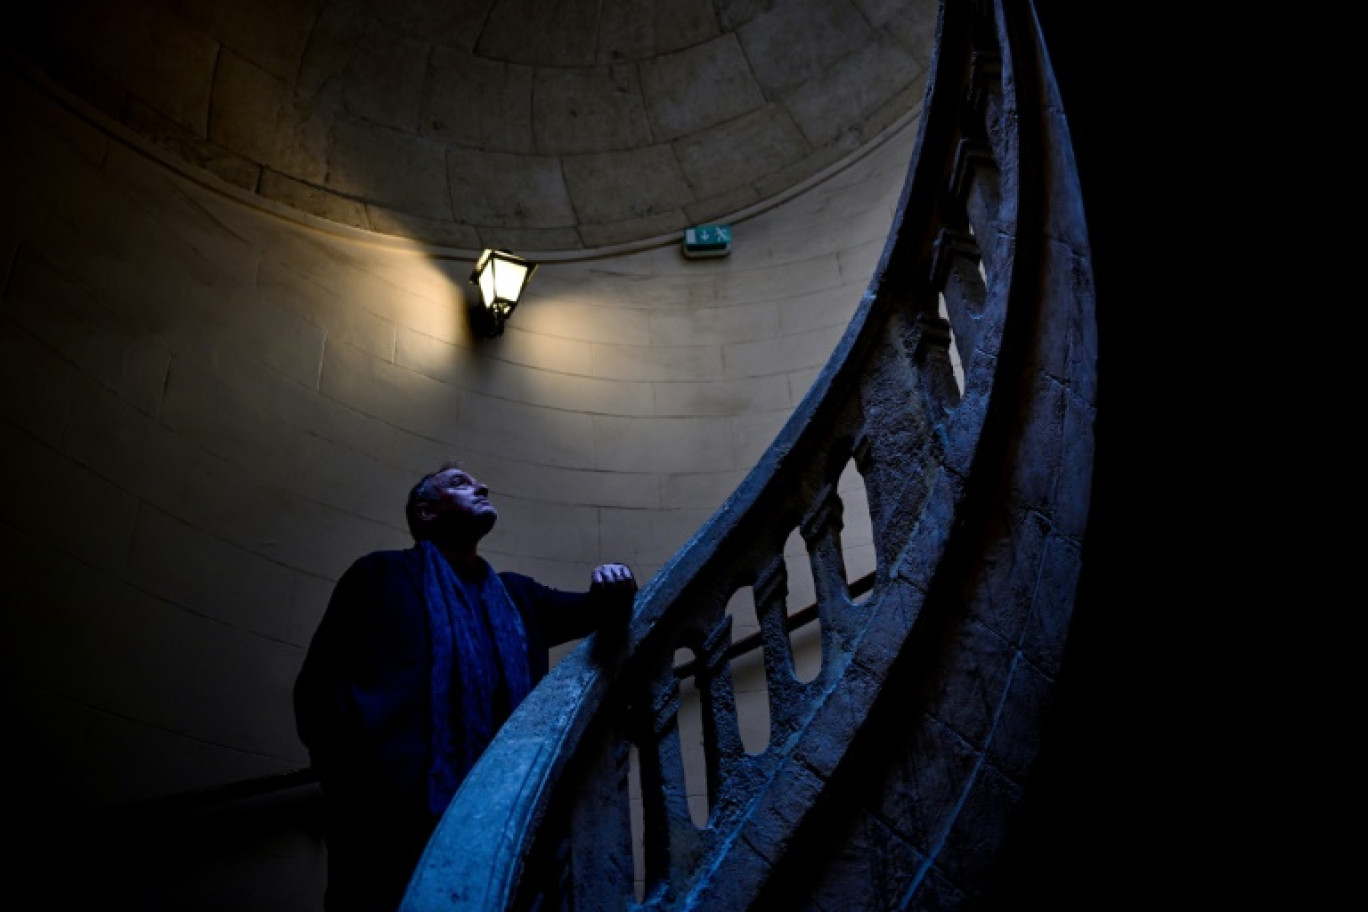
[(912, 746)]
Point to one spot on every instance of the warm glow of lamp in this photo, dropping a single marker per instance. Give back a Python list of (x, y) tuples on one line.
[(501, 277)]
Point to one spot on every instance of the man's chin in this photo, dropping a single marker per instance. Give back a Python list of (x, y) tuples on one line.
[(454, 527)]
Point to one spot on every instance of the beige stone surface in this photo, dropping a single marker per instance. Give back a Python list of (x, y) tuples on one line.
[(635, 119), (233, 391)]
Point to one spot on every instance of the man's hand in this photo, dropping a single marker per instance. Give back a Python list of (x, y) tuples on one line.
[(614, 589), (613, 581)]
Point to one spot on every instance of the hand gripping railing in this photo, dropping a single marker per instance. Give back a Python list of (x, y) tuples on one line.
[(889, 776)]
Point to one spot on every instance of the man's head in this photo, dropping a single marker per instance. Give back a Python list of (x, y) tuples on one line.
[(449, 505)]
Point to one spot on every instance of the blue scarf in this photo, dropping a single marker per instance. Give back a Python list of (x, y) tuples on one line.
[(479, 669)]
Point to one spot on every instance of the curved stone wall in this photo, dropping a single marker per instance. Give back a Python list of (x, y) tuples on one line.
[(526, 124), (209, 410)]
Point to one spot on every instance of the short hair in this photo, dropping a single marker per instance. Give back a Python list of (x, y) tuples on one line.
[(425, 491)]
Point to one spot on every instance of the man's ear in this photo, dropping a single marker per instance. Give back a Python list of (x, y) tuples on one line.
[(425, 511)]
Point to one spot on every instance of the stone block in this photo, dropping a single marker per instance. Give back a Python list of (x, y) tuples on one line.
[(644, 538), (639, 30), (870, 868), (552, 484), (736, 13), (660, 227), (974, 669), (351, 480), (801, 381), (481, 370), (278, 337), (834, 106), (786, 800), (1040, 425), (564, 34), (335, 31), (439, 229), (450, 20), (227, 707), (588, 110), (826, 309), (175, 80), (792, 43), (60, 485), (1076, 466), (976, 838), (259, 117), (721, 397), (401, 397), (779, 355), (721, 207), (309, 597), (209, 241), (633, 362), (896, 112), (272, 35), (179, 563), (567, 533), (1052, 604), (63, 312), (754, 432), (495, 189), (1001, 585), (914, 24), (699, 491), (576, 315), (517, 430), (191, 147), (472, 102), (1015, 741), (311, 200), (384, 79), (504, 237), (389, 168), (698, 87), (39, 409), (55, 757), (666, 444), (741, 150), (289, 289), (779, 281), (926, 779), (879, 12), (95, 642), (739, 322), (598, 184), (797, 171)]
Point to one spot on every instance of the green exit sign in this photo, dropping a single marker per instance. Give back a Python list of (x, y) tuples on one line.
[(707, 241)]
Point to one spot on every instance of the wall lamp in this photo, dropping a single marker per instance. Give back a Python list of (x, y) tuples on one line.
[(501, 277)]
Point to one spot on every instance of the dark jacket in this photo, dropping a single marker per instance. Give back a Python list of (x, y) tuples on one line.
[(362, 707)]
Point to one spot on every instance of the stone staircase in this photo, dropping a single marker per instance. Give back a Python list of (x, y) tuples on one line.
[(964, 394)]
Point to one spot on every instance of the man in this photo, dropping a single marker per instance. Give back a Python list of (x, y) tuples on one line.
[(420, 657)]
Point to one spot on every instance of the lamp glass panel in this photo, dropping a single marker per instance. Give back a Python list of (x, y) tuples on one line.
[(487, 285), (508, 279)]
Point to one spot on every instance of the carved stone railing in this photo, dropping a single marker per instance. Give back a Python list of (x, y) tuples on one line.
[(891, 776)]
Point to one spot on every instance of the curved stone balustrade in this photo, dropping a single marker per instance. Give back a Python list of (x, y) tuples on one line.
[(890, 777)]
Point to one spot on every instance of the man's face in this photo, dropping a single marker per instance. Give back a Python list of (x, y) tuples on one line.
[(461, 507)]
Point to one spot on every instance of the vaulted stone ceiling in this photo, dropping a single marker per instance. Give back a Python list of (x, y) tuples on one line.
[(548, 125)]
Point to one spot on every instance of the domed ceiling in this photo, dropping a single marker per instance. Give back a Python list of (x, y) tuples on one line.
[(547, 125)]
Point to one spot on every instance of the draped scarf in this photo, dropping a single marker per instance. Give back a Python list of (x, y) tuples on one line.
[(479, 668)]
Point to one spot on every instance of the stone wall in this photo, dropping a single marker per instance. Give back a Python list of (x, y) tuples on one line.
[(210, 408)]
